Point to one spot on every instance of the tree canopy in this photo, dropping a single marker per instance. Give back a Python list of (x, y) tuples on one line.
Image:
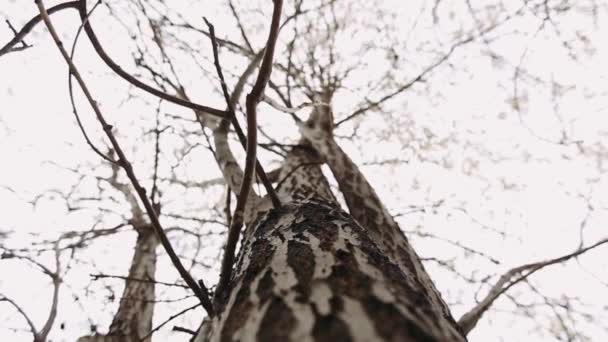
[(481, 125)]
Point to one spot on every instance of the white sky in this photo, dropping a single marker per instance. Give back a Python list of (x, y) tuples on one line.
[(465, 144)]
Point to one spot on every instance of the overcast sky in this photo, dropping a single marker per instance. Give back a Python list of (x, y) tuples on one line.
[(513, 178)]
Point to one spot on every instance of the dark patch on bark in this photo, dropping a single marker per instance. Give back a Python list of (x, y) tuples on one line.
[(409, 290), (278, 322), (261, 253), (398, 280), (330, 328), (265, 286), (392, 325), (404, 256), (302, 260), (318, 222), (300, 236), (238, 314), (346, 278), (327, 235), (358, 208), (269, 223)]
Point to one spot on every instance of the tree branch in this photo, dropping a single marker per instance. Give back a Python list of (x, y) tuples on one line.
[(253, 98), (80, 5), (126, 165), (82, 9), (468, 321), (48, 325), (172, 317), (4, 298), (40, 336), (231, 102), (27, 28)]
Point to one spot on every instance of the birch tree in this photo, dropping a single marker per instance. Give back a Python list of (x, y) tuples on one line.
[(310, 250)]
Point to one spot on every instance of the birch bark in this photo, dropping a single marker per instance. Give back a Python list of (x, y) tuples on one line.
[(309, 271)]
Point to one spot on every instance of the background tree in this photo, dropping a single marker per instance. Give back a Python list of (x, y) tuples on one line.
[(473, 142)]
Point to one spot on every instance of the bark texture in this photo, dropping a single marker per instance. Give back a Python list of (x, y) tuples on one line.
[(133, 319), (364, 204), (310, 272)]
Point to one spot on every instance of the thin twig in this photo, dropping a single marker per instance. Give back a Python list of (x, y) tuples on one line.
[(81, 6), (126, 165), (253, 98), (184, 330), (227, 208), (71, 92), (27, 28), (40, 336), (172, 317), (24, 45), (82, 9), (101, 276), (29, 322), (420, 77), (56, 279), (157, 133)]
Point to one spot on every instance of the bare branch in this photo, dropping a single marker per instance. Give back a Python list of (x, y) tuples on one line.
[(129, 78), (82, 9), (27, 28), (126, 165), (40, 336), (48, 325), (253, 98), (3, 298), (102, 276), (172, 317), (231, 102), (468, 321), (71, 93), (404, 87)]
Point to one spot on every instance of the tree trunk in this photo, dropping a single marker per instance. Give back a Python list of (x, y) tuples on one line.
[(133, 319), (310, 272), (362, 201)]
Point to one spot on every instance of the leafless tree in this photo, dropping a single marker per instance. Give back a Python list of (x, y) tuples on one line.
[(309, 248)]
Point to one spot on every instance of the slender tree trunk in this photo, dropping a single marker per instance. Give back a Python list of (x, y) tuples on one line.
[(133, 319), (362, 201)]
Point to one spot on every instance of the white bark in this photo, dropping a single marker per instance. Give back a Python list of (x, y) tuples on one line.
[(364, 204), (310, 272)]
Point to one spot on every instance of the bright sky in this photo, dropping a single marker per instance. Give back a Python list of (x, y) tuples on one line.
[(461, 148)]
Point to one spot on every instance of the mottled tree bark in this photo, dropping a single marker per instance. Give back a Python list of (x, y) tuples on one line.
[(309, 271), (364, 204), (133, 319)]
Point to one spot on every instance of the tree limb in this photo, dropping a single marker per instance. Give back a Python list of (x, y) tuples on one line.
[(27, 28), (80, 5), (126, 165), (468, 321), (253, 98), (231, 102)]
